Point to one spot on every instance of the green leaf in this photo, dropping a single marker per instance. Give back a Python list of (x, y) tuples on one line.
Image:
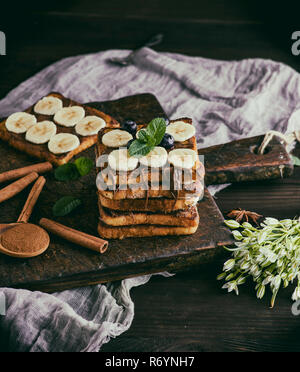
[(65, 205), (143, 135), (157, 129), (148, 137), (67, 172), (296, 161), (84, 165), (138, 149)]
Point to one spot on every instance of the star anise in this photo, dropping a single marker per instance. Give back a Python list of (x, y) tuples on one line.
[(242, 215)]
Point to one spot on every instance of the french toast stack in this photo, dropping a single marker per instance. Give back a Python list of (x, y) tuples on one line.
[(142, 193)]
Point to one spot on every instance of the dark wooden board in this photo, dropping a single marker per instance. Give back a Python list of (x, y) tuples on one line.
[(239, 161), (65, 265)]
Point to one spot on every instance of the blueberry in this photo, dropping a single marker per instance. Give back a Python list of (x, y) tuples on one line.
[(130, 126), (129, 143), (167, 121), (167, 141)]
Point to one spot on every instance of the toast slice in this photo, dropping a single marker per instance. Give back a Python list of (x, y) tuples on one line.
[(140, 231), (19, 142), (162, 205), (188, 218), (195, 189)]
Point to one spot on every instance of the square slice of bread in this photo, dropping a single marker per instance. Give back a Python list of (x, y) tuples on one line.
[(162, 205), (41, 152), (187, 217), (141, 231)]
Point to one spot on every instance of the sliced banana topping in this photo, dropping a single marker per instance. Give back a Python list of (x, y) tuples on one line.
[(89, 126), (20, 122), (69, 116), (116, 138), (156, 158), (41, 132), (181, 131), (120, 160), (62, 143), (48, 106), (183, 158)]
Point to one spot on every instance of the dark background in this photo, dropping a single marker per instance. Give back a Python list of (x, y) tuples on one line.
[(39, 33), (189, 312)]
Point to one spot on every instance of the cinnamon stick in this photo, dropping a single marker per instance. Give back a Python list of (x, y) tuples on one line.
[(21, 172), (32, 199), (74, 236), (16, 187)]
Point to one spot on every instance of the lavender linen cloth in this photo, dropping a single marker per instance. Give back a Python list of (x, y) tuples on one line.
[(227, 101)]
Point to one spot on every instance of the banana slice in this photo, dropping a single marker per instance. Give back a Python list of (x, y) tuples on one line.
[(89, 126), (69, 116), (41, 132), (20, 122), (181, 131), (120, 160), (48, 106), (156, 158), (116, 138), (63, 142), (183, 158)]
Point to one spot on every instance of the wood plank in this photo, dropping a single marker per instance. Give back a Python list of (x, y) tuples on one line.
[(239, 161), (190, 312)]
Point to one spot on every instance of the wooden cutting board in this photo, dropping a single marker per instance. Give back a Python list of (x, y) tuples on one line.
[(239, 161), (65, 265)]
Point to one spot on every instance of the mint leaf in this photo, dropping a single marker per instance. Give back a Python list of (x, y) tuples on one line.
[(138, 149), (65, 205), (157, 129), (296, 161), (84, 165), (67, 172), (148, 137), (72, 171), (143, 135)]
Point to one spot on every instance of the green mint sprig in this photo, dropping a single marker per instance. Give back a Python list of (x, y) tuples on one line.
[(73, 171), (148, 138), (269, 254), (65, 205)]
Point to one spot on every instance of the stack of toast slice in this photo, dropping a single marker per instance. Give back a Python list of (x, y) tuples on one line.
[(138, 203)]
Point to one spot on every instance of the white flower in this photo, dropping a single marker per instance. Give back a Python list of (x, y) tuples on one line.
[(247, 225), (268, 280), (237, 235), (232, 224), (289, 245), (296, 294), (276, 281), (245, 265), (231, 286), (228, 265), (260, 292), (271, 221)]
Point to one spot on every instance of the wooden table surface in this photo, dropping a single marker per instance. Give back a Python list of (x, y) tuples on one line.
[(190, 311)]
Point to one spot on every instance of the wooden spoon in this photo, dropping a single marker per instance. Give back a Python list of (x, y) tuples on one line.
[(23, 239)]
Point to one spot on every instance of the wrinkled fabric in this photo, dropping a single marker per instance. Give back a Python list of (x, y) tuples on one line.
[(227, 101)]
